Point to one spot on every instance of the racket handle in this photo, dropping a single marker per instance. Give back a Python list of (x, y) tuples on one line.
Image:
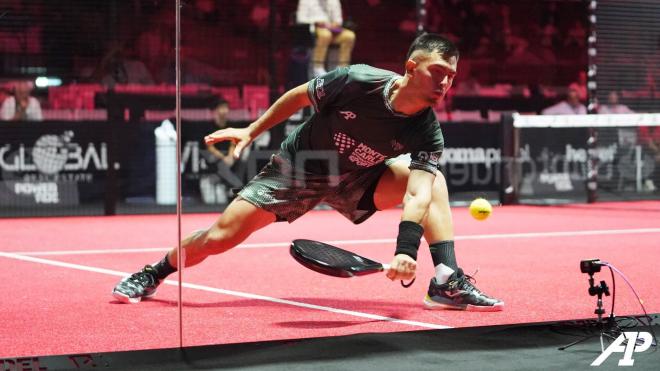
[(386, 267)]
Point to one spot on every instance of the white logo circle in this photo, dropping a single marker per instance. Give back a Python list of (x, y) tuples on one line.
[(49, 154)]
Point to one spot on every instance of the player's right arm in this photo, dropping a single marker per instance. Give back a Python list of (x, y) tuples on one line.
[(288, 104), (416, 203)]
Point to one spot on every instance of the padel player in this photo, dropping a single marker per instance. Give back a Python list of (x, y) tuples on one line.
[(347, 155)]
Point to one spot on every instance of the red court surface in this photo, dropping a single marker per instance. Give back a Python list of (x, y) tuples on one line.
[(57, 275)]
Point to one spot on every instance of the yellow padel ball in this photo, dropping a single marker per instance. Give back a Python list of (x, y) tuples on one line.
[(480, 209)]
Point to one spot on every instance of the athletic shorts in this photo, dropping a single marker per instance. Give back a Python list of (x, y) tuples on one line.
[(289, 194)]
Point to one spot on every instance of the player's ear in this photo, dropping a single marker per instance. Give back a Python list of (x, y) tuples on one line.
[(410, 66)]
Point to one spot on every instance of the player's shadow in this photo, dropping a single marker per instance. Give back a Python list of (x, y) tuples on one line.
[(364, 306), (321, 324), (358, 305), (391, 309)]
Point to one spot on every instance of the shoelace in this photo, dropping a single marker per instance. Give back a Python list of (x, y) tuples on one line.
[(143, 278), (466, 282)]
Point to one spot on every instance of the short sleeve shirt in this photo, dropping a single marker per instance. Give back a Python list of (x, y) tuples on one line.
[(354, 121)]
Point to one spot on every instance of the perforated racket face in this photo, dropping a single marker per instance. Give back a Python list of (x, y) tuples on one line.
[(331, 260)]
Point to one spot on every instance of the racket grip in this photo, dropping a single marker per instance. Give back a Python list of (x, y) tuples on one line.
[(386, 267)]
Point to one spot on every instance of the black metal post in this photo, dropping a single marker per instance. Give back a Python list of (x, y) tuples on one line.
[(592, 140)]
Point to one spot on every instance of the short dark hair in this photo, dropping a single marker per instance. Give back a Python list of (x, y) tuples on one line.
[(431, 42), (218, 101)]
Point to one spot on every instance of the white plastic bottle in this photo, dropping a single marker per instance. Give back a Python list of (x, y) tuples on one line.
[(165, 163)]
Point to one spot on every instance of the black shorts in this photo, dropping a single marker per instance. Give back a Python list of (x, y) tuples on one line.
[(289, 194)]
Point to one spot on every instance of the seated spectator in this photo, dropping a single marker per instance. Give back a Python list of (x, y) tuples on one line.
[(652, 75), (575, 39), (613, 105), (325, 18), (213, 187), (649, 137), (119, 66), (21, 106), (220, 112), (569, 106), (581, 86)]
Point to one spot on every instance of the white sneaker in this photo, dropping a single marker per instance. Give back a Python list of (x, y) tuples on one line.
[(318, 71)]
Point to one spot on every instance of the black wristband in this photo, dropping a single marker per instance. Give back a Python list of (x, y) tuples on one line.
[(407, 242)]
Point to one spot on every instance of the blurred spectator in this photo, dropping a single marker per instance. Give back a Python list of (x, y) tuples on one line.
[(581, 86), (649, 137), (550, 16), (120, 66), (21, 106), (629, 138), (576, 36), (220, 113), (574, 44), (230, 173), (20, 31), (205, 11), (409, 23), (259, 16), (613, 105), (155, 47), (569, 106), (653, 71), (213, 187), (548, 35), (517, 47), (326, 19)]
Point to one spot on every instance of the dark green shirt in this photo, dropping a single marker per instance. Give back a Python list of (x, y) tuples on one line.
[(355, 124)]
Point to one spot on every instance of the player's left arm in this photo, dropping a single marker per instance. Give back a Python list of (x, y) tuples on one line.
[(416, 202)]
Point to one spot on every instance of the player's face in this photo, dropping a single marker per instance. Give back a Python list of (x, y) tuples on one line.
[(434, 76)]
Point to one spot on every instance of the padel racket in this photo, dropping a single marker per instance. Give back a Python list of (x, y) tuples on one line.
[(333, 261)]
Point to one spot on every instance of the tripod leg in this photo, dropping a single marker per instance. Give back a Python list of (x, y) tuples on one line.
[(577, 341)]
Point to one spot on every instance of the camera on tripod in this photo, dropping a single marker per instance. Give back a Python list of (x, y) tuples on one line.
[(590, 266)]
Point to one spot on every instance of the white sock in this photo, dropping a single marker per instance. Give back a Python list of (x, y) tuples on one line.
[(442, 273)]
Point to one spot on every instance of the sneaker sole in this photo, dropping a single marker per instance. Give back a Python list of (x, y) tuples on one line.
[(128, 300), (430, 304)]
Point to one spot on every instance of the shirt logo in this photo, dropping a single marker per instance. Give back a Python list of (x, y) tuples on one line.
[(348, 115), (320, 92), (365, 156), (358, 153), (343, 142)]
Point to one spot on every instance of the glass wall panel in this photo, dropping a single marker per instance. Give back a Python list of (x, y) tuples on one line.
[(78, 159)]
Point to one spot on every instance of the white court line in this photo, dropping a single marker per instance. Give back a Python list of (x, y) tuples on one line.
[(359, 242), (227, 292)]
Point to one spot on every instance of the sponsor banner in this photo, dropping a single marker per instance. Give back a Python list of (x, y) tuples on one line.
[(67, 163), (554, 163), (52, 163), (28, 193), (470, 161), (471, 158)]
